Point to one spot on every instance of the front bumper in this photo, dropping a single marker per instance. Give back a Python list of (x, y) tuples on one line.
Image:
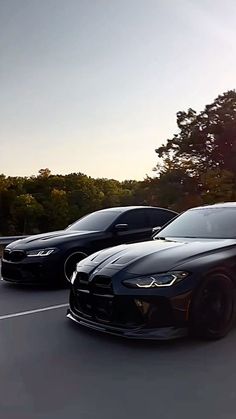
[(162, 333), (100, 301), (30, 272), (132, 316)]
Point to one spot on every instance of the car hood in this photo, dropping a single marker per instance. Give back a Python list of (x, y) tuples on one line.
[(152, 256), (50, 239)]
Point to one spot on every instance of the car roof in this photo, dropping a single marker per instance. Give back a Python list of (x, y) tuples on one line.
[(218, 205), (132, 207)]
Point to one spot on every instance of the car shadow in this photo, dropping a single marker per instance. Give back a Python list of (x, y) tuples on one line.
[(33, 287), (142, 344)]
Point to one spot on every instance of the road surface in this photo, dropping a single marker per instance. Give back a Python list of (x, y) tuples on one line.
[(53, 369)]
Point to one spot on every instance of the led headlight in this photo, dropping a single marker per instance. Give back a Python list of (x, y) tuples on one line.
[(40, 252), (158, 280)]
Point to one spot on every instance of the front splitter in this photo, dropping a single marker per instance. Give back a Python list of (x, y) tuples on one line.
[(162, 333)]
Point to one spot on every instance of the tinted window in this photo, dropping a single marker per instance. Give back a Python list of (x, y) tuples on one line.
[(97, 221), (209, 223), (160, 217), (135, 219)]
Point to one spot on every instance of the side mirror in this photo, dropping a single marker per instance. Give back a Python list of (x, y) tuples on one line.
[(121, 227), (155, 230)]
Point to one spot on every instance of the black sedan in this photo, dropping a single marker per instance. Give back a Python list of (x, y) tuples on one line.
[(183, 281), (52, 257)]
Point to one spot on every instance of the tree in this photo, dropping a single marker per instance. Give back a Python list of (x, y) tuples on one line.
[(112, 192), (83, 195), (58, 209), (199, 163), (4, 183), (218, 185), (206, 140), (44, 173), (26, 212)]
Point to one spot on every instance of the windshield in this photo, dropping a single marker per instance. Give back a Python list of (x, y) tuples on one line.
[(206, 223), (97, 221)]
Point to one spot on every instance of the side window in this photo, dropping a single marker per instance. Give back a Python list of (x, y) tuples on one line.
[(135, 219), (160, 217)]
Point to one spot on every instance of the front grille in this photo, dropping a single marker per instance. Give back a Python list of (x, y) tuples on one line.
[(102, 285), (6, 254), (81, 281), (95, 300), (14, 255)]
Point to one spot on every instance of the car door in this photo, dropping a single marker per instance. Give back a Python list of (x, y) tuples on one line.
[(138, 229)]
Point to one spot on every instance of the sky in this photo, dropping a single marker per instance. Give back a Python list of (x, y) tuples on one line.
[(93, 86)]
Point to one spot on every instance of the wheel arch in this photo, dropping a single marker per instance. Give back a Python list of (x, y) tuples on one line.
[(193, 306), (217, 270)]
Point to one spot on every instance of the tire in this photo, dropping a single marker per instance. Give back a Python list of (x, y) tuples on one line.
[(70, 263), (212, 311)]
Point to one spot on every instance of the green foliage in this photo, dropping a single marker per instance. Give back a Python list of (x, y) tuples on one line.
[(198, 165), (30, 205), (207, 139), (218, 185), (25, 212), (58, 209)]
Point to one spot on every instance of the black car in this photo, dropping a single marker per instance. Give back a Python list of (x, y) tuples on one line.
[(52, 257), (182, 281)]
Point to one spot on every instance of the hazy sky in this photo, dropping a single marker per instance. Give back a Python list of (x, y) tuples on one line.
[(93, 86)]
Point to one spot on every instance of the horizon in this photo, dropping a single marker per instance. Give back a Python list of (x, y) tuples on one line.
[(35, 175)]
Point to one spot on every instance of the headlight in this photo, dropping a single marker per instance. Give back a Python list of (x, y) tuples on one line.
[(158, 280), (40, 252)]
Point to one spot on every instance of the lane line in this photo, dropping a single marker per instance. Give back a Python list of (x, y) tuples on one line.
[(38, 310)]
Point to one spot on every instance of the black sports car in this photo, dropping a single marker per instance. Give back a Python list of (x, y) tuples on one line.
[(182, 281), (52, 257)]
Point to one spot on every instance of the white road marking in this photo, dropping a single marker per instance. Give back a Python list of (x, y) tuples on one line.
[(38, 310)]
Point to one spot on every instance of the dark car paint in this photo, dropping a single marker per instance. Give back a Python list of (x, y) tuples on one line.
[(128, 261), (48, 269)]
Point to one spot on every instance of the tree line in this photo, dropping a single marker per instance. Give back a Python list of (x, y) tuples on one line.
[(46, 202), (196, 166)]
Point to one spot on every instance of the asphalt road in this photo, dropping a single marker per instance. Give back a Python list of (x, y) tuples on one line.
[(51, 368)]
